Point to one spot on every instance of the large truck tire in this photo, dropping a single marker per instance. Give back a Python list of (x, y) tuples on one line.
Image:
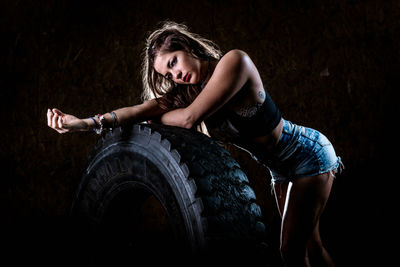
[(151, 189)]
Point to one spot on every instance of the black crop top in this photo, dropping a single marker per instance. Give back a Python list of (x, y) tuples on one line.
[(226, 125)]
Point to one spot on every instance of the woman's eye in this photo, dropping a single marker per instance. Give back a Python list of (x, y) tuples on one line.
[(169, 76), (173, 62)]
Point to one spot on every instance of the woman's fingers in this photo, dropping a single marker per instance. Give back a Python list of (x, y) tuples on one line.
[(49, 115), (55, 120), (58, 112), (59, 122)]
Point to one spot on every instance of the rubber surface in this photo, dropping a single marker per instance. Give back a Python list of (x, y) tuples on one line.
[(150, 189)]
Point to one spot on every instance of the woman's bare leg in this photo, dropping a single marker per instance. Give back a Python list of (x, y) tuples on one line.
[(280, 190), (304, 201), (317, 254)]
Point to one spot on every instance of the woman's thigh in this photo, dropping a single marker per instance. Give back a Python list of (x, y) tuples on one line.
[(280, 190)]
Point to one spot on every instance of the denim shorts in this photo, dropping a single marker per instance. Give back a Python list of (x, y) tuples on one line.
[(302, 152)]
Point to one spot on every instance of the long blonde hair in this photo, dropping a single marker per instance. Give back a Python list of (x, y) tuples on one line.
[(171, 37)]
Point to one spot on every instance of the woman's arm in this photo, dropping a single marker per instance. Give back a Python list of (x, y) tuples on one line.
[(230, 74), (64, 123), (148, 110)]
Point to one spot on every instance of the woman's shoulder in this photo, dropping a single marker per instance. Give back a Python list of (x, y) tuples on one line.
[(235, 54), (236, 57)]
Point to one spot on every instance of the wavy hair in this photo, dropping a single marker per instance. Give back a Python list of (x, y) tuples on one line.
[(171, 37)]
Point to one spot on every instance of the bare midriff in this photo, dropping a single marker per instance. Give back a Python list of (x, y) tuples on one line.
[(265, 143)]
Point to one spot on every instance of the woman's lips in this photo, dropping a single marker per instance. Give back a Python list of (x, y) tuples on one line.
[(186, 78)]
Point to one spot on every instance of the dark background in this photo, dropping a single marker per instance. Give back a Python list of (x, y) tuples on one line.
[(329, 65)]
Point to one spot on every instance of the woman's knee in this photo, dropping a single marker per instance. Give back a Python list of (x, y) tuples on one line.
[(314, 245)]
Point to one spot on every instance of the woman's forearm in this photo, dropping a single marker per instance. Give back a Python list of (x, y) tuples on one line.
[(64, 123), (178, 117), (133, 114), (138, 113)]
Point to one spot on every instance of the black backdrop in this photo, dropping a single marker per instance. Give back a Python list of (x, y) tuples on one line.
[(330, 65)]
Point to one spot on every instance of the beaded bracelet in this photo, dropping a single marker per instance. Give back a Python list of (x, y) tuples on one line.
[(101, 119)]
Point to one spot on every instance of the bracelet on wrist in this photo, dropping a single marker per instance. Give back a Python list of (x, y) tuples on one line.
[(95, 124), (114, 120), (100, 129)]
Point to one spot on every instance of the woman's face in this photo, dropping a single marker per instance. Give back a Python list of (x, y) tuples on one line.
[(179, 66)]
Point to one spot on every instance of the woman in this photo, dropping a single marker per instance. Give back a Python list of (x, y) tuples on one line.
[(187, 82)]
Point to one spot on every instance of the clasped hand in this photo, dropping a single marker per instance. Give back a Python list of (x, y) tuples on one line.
[(64, 123)]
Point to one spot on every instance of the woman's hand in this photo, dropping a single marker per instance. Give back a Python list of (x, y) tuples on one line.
[(64, 123)]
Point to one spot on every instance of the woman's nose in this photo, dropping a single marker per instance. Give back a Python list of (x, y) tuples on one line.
[(177, 75)]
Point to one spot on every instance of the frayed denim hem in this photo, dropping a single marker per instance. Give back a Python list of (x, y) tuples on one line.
[(338, 167)]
